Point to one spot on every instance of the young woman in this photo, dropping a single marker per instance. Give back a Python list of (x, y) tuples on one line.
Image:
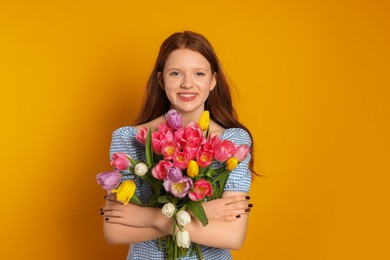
[(187, 77)]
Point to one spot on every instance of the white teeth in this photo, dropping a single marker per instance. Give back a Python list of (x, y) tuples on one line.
[(187, 95)]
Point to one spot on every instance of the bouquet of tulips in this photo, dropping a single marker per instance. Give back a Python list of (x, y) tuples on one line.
[(181, 171)]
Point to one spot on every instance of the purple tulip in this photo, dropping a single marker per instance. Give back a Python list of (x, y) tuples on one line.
[(174, 119), (174, 174), (179, 188), (108, 180)]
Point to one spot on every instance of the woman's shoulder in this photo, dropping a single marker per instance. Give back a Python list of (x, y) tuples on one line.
[(151, 124), (237, 135), (133, 130)]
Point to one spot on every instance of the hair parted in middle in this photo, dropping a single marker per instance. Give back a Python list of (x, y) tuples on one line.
[(219, 103)]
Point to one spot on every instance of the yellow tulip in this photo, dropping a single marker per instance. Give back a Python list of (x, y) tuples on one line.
[(204, 120), (192, 169), (231, 163), (125, 191)]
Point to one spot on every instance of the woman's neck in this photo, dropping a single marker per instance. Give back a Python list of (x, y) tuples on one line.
[(191, 116)]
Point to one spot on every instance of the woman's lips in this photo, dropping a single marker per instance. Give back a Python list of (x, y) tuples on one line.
[(187, 96)]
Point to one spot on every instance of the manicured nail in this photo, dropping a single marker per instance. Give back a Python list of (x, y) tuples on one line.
[(106, 219), (101, 213), (248, 210), (250, 205), (248, 197), (238, 216)]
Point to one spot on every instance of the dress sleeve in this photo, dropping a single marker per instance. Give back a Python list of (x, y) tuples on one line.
[(123, 141), (241, 177)]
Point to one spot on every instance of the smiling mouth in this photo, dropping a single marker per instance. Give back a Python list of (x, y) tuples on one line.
[(187, 95)]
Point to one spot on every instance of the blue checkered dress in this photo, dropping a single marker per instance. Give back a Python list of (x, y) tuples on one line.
[(123, 140)]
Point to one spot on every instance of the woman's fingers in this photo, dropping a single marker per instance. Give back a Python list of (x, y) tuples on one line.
[(236, 199), (234, 217), (111, 197), (113, 206), (113, 214)]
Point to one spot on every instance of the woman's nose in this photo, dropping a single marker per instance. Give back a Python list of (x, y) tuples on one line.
[(186, 83)]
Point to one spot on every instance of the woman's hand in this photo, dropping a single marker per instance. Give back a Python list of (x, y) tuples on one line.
[(227, 208), (130, 215)]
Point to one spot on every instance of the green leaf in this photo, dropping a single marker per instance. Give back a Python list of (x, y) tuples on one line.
[(204, 170), (148, 149), (197, 209), (163, 199), (221, 176), (135, 200)]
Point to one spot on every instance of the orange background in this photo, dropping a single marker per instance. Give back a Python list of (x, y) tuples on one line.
[(313, 86)]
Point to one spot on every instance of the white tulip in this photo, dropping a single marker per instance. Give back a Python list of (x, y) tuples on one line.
[(183, 239), (183, 217), (140, 169), (168, 209)]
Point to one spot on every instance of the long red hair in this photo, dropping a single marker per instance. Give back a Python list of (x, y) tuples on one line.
[(219, 102)]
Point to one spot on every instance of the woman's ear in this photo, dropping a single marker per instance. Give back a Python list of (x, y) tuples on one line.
[(160, 80), (213, 82)]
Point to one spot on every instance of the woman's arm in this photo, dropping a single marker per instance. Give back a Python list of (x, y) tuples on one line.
[(131, 223), (218, 233), (122, 234)]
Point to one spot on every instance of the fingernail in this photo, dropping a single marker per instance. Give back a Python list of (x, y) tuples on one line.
[(248, 210), (105, 196), (238, 216), (247, 197), (250, 205), (101, 213), (106, 219)]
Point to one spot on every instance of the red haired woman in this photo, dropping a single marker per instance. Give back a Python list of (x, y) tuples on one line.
[(188, 77)]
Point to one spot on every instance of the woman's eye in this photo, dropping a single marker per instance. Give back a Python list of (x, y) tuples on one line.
[(200, 74), (174, 73)]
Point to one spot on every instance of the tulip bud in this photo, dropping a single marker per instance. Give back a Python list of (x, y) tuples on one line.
[(120, 161), (204, 120), (183, 238), (125, 191), (168, 209), (192, 169), (183, 217), (109, 180), (174, 119), (241, 152), (140, 169), (231, 163)]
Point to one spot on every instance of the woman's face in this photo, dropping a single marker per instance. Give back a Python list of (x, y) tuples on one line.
[(188, 80)]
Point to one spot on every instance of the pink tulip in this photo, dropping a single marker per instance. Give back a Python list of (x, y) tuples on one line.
[(157, 140), (160, 171), (108, 180), (120, 161), (166, 131), (174, 119), (178, 188), (142, 134), (224, 150), (168, 149), (193, 132), (202, 188), (214, 140), (204, 158), (179, 137), (208, 147), (191, 148), (241, 152), (181, 160)]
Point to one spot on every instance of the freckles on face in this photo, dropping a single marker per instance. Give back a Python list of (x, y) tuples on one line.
[(188, 79)]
